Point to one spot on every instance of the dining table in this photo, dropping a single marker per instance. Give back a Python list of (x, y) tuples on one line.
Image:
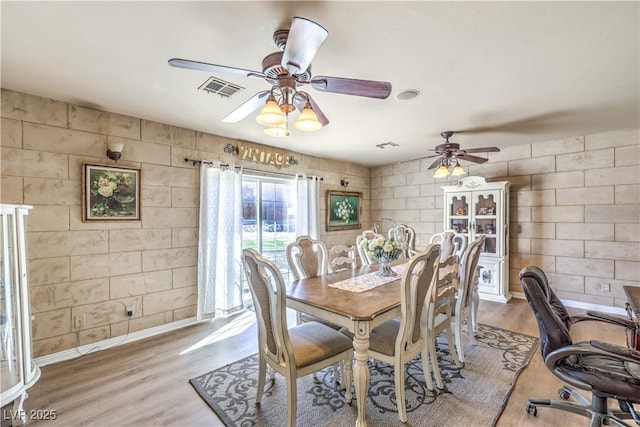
[(356, 299)]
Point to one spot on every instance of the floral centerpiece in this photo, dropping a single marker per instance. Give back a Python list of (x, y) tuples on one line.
[(344, 210), (384, 251)]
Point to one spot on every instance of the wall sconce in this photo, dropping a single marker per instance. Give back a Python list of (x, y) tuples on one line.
[(344, 183), (114, 150)]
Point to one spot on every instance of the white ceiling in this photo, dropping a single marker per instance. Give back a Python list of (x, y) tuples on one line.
[(508, 73)]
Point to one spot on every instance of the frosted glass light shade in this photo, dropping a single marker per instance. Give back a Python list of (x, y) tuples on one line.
[(277, 131), (308, 121), (271, 115), (441, 172), (458, 170)]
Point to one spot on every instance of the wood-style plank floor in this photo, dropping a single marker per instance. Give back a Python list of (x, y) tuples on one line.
[(145, 383)]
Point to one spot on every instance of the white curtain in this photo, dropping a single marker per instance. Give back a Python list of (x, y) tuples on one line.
[(307, 189), (220, 241)]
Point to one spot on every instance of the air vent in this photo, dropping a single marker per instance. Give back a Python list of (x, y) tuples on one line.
[(220, 87)]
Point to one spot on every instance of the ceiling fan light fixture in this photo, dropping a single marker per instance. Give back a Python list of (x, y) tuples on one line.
[(308, 120), (458, 170), (442, 171), (278, 131), (271, 114)]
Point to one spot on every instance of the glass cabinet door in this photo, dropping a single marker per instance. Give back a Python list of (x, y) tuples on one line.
[(10, 360), (458, 206), (486, 208)]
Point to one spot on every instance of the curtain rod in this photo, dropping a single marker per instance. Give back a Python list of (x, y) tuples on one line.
[(197, 162)]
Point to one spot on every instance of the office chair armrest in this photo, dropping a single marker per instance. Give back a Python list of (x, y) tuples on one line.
[(619, 350), (604, 317), (592, 348)]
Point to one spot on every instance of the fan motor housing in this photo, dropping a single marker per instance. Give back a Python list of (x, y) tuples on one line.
[(273, 69), (448, 147)]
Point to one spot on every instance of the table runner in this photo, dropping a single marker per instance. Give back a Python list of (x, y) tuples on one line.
[(367, 281)]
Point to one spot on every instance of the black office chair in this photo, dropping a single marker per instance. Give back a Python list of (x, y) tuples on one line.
[(607, 370)]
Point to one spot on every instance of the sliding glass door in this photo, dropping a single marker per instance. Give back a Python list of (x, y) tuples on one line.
[(269, 219)]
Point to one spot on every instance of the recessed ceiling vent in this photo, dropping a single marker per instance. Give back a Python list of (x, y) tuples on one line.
[(220, 87)]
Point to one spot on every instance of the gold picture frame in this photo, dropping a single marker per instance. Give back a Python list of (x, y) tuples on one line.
[(344, 210)]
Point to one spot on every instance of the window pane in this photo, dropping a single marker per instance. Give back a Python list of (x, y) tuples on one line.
[(269, 220)]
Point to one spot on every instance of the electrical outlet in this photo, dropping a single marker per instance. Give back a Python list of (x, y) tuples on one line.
[(606, 287), (78, 321), (129, 312)]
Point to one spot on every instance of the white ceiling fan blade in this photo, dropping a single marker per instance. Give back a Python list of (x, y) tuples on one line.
[(213, 68), (304, 39), (247, 107)]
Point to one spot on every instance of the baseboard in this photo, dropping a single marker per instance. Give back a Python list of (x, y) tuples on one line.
[(72, 353), (583, 305)]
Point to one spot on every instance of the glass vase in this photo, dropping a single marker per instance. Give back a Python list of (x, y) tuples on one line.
[(385, 269)]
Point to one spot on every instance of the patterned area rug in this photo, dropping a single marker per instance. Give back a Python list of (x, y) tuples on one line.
[(473, 396)]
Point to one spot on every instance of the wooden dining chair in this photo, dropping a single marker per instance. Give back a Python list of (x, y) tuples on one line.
[(439, 306), (292, 352), (342, 257), (365, 257), (463, 312), (451, 243), (404, 237), (307, 257), (399, 340)]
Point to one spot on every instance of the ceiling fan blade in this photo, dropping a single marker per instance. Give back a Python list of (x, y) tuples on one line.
[(247, 107), (482, 150), (304, 39), (436, 163), (470, 158), (213, 68), (299, 102), (368, 88)]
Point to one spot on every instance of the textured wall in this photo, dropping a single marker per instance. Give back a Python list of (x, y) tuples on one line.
[(574, 209), (95, 269)]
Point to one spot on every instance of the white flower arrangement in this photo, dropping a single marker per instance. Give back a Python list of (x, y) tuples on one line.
[(382, 250), (344, 210)]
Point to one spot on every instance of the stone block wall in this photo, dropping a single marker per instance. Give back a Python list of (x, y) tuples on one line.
[(93, 270), (575, 210)]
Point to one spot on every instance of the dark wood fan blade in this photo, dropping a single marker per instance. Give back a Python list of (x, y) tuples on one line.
[(470, 158), (247, 107), (299, 103), (304, 39), (213, 68), (368, 88), (435, 164), (482, 150)]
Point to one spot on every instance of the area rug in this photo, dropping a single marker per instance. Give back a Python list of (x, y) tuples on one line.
[(473, 396)]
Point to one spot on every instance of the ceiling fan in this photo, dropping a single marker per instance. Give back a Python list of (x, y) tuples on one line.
[(450, 151), (287, 70)]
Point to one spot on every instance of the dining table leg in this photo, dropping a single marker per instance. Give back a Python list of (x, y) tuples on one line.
[(361, 376)]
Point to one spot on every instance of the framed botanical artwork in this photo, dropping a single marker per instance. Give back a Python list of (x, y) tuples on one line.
[(110, 193), (344, 210)]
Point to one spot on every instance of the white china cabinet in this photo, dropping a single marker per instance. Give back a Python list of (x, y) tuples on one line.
[(474, 206), (18, 370)]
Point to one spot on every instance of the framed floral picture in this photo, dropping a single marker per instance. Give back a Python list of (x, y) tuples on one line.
[(343, 210), (110, 193)]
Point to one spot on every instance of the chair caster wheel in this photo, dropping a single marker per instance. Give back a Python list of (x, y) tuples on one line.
[(564, 394), (531, 409)]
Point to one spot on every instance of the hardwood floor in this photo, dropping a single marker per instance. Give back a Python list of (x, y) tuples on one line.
[(146, 383)]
